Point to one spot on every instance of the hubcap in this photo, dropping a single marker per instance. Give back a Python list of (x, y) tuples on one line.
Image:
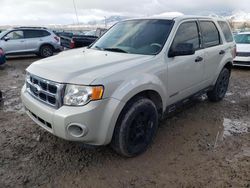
[(47, 52), (141, 130)]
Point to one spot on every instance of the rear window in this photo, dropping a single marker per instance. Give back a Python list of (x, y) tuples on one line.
[(210, 33), (35, 33), (226, 31)]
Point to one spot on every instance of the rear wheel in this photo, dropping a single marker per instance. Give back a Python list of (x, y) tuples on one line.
[(136, 128), (46, 51), (221, 86)]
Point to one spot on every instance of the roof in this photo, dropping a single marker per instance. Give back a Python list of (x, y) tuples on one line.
[(181, 17), (24, 27)]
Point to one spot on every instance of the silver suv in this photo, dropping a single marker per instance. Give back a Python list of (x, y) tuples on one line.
[(116, 91), (29, 40)]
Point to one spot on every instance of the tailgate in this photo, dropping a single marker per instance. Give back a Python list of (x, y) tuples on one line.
[(65, 41)]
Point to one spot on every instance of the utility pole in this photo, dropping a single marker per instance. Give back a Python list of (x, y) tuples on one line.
[(76, 12), (105, 21)]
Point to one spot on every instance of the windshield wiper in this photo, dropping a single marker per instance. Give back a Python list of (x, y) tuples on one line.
[(115, 50), (99, 48)]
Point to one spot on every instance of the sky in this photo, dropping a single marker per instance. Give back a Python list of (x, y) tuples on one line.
[(41, 12)]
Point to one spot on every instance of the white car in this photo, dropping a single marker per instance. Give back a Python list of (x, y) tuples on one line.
[(243, 49), (116, 91)]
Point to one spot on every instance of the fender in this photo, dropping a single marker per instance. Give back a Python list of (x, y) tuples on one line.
[(142, 82), (225, 60), (127, 90)]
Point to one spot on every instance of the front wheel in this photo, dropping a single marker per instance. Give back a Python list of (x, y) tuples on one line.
[(136, 128), (221, 86)]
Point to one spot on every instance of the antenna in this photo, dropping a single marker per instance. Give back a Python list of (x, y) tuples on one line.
[(76, 12)]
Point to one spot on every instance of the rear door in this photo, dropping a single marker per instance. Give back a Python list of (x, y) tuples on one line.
[(33, 38), (185, 73), (16, 42), (213, 47)]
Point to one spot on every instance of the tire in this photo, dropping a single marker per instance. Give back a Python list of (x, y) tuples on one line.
[(221, 86), (46, 51), (136, 128)]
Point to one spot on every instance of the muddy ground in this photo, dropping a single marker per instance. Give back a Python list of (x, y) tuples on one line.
[(203, 145)]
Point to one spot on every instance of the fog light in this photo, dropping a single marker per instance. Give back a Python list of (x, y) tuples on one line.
[(77, 130)]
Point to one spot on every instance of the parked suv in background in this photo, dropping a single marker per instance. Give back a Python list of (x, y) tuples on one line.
[(243, 49), (29, 40), (116, 91)]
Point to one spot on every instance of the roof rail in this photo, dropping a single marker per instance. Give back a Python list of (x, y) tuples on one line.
[(24, 27)]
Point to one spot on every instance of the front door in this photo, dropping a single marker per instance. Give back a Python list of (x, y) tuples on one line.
[(185, 73), (14, 42)]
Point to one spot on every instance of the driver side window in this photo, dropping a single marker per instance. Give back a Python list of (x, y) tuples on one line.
[(187, 33), (14, 35)]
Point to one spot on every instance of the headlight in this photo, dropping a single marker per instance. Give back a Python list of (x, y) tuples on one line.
[(76, 95)]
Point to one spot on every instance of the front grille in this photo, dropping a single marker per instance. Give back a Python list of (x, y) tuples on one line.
[(46, 91), (243, 54)]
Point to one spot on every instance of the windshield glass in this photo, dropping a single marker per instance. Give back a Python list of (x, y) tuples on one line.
[(242, 39), (3, 33), (90, 33), (145, 37)]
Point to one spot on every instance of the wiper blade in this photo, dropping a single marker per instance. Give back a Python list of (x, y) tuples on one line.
[(99, 48), (115, 50)]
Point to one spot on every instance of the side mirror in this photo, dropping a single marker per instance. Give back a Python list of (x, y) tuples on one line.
[(182, 49), (6, 38)]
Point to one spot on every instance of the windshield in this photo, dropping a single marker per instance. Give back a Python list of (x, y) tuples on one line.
[(3, 33), (145, 37), (242, 39), (90, 33)]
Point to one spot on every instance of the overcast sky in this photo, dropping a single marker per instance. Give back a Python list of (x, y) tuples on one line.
[(19, 12)]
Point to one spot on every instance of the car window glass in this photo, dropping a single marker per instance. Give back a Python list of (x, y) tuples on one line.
[(35, 33), (242, 39), (210, 34), (187, 33), (45, 33), (14, 35), (226, 31), (145, 37)]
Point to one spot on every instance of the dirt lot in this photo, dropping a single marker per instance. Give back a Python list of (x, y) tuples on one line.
[(203, 145)]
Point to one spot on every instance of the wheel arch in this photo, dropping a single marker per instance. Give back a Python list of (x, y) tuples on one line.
[(228, 64), (153, 95), (46, 44)]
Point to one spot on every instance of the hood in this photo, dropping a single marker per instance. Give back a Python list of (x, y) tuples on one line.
[(243, 47), (83, 66)]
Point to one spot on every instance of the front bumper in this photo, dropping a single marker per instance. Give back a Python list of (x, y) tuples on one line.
[(99, 117), (242, 61)]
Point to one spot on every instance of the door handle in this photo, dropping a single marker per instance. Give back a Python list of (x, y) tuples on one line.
[(222, 52), (198, 59)]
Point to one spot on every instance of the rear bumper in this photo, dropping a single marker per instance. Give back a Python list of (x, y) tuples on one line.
[(242, 61), (58, 48), (99, 118)]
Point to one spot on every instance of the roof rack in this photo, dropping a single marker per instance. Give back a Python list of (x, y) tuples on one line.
[(24, 27)]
